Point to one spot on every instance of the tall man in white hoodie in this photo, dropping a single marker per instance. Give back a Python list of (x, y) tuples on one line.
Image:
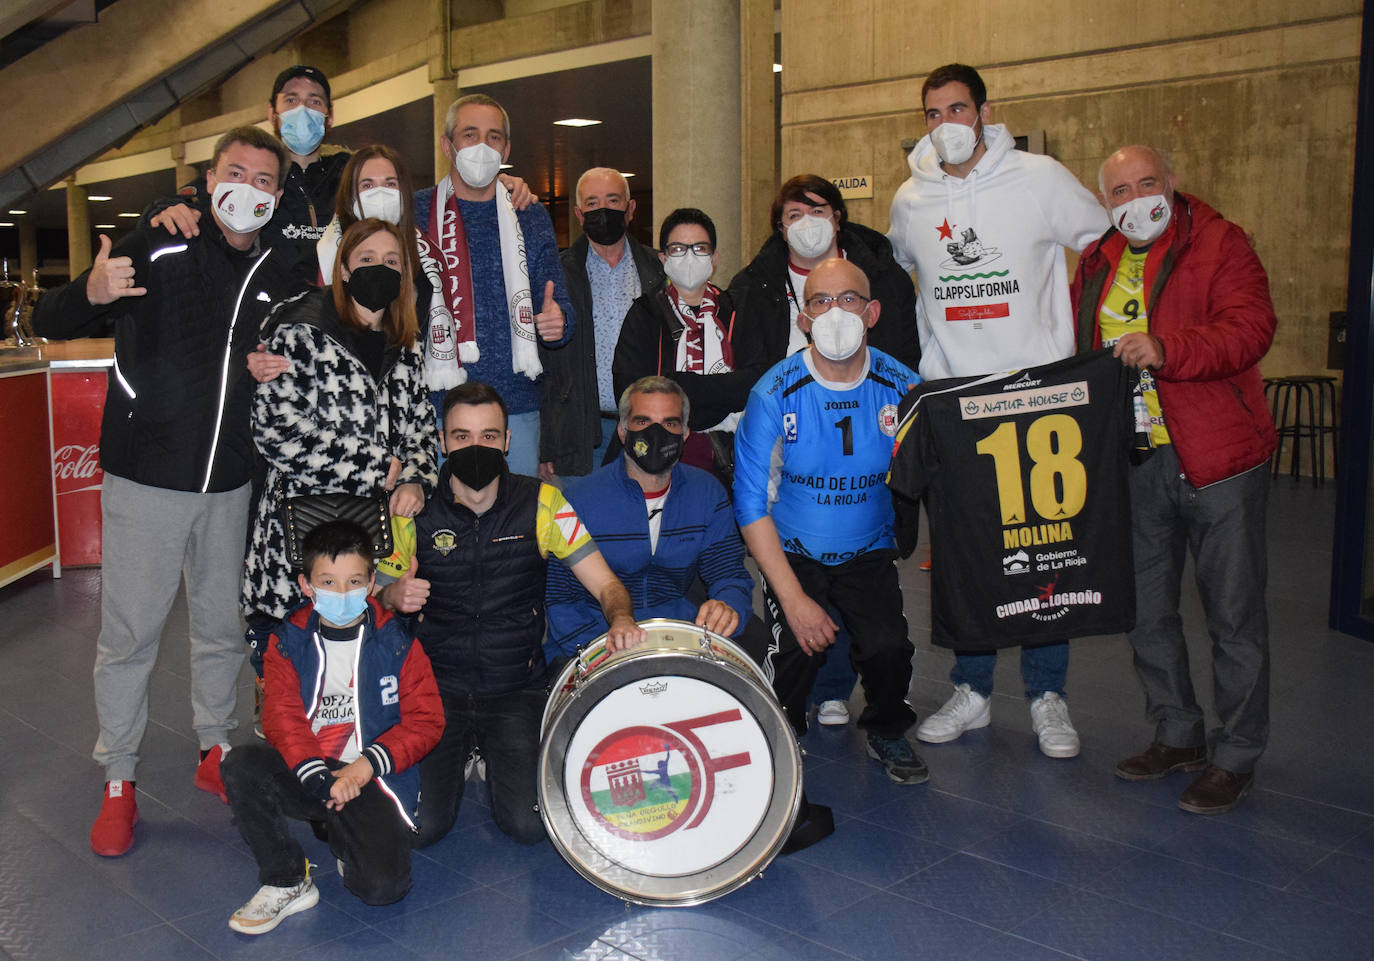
[(984, 226)]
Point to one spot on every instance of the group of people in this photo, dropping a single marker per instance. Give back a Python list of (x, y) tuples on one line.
[(613, 407)]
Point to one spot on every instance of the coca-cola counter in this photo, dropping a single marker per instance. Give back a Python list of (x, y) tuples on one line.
[(79, 369), (28, 505), (52, 399)]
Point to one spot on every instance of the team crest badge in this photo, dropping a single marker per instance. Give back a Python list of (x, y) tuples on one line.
[(887, 420), (445, 541)]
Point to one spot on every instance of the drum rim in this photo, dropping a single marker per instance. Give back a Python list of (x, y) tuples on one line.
[(740, 867), (649, 624)]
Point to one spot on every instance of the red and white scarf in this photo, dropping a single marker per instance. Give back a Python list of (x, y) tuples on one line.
[(452, 338), (704, 347)]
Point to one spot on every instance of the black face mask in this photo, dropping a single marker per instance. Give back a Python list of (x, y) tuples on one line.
[(654, 449), (476, 466), (374, 287), (605, 225)]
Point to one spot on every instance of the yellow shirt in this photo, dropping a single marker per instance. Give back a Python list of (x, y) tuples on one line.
[(1124, 312), (558, 530)]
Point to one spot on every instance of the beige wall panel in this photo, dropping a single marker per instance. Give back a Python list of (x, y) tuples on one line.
[(382, 27), (863, 40), (1307, 43), (560, 28), (828, 42)]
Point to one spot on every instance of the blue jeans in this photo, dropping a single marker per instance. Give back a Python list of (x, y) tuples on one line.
[(836, 677), (523, 456), (1043, 668)]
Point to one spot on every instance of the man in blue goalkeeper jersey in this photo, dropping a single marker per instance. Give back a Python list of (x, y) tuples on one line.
[(811, 455)]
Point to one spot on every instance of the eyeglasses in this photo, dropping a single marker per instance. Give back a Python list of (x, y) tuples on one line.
[(849, 300), (678, 250)]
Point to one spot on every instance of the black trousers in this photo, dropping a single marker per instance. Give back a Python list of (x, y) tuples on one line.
[(865, 592), (505, 729), (368, 834)]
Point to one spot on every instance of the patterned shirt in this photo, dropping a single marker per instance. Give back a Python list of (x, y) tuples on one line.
[(613, 290)]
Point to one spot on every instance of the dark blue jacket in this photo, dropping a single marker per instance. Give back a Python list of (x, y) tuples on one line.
[(399, 715), (697, 537)]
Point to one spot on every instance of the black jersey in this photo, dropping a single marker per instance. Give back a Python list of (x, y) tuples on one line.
[(1027, 496)]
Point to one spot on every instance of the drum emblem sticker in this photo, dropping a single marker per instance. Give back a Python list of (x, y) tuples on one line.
[(647, 781)]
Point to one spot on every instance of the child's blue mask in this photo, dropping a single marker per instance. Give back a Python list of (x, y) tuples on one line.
[(340, 609)]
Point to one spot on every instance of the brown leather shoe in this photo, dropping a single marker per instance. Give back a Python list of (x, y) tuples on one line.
[(1216, 791), (1159, 760)]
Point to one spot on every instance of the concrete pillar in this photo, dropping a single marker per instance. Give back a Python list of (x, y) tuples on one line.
[(696, 108), (445, 92), (185, 173), (78, 230), (28, 248), (758, 124)]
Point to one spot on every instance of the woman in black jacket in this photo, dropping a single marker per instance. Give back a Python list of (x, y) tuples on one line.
[(685, 331), (811, 224)]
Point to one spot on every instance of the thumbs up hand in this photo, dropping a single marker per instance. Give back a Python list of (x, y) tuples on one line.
[(548, 323), (111, 277), (408, 594)]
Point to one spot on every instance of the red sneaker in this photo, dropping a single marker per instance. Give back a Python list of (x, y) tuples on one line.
[(925, 564), (207, 775), (112, 834)]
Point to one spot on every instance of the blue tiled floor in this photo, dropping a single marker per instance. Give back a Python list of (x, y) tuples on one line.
[(1004, 854)]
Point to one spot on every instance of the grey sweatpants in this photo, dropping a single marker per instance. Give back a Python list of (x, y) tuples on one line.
[(152, 538)]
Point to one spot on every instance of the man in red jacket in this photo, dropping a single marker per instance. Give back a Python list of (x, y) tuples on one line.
[(1179, 293)]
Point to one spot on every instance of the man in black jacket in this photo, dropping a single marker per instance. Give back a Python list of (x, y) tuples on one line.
[(606, 269), (177, 452), (472, 563)]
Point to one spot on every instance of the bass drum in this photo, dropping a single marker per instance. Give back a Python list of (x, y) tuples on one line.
[(668, 774)]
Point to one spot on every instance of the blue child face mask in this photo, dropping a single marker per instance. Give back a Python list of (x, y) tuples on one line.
[(340, 608), (302, 129)]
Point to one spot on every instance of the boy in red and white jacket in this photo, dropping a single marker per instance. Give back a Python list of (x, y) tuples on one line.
[(350, 707)]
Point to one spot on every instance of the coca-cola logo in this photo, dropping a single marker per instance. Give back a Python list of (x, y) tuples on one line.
[(76, 462)]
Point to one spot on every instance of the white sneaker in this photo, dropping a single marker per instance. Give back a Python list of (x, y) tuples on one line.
[(966, 710), (1050, 721), (475, 762), (271, 904), (833, 713)]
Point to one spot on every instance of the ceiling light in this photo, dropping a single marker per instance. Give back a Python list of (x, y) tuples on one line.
[(6, 223), (507, 166), (128, 215), (576, 122), (626, 174), (777, 68), (18, 213), (98, 197), (106, 227)]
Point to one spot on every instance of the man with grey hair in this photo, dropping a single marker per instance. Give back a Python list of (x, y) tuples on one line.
[(502, 285), (1177, 292), (660, 525), (605, 269)]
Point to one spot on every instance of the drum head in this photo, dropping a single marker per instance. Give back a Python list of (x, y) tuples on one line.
[(668, 775)]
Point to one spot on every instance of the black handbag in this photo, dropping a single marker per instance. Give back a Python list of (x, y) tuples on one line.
[(302, 514)]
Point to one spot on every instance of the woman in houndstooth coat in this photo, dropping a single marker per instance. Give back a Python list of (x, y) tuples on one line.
[(351, 412)]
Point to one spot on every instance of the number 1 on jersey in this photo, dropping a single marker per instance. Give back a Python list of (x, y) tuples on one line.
[(846, 428), (1058, 479)]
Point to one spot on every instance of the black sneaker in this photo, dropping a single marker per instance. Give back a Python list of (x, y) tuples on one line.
[(903, 764)]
